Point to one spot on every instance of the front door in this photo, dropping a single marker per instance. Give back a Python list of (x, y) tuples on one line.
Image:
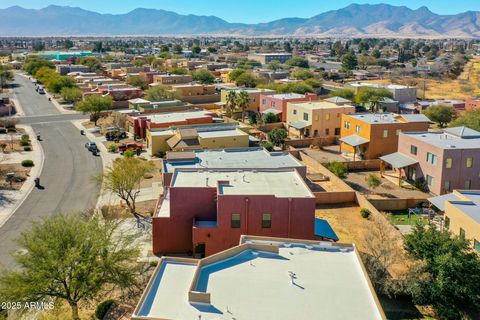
[(199, 250), (411, 173)]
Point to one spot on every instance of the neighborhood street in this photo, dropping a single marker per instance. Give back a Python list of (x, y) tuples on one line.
[(67, 171)]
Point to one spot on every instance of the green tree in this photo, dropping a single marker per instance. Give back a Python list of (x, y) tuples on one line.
[(447, 275), (196, 50), (124, 177), (299, 62), (372, 96), (212, 49), (269, 117), (71, 95), (470, 119), (137, 81), (274, 65), (95, 105), (6, 75), (160, 92), (349, 61), (70, 258), (97, 46), (376, 53), (234, 74), (57, 83), (242, 102), (302, 74), (373, 181), (277, 136), (203, 76), (32, 65), (93, 63), (247, 80), (345, 93), (177, 49), (67, 44), (441, 114)]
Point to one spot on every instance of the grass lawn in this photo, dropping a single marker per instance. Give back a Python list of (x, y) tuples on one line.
[(401, 218)]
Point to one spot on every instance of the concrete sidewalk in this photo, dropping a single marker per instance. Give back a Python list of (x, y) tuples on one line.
[(11, 200)]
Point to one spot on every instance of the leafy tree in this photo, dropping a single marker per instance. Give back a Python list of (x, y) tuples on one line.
[(95, 105), (338, 168), (345, 93), (6, 75), (376, 53), (274, 65), (32, 65), (447, 275), (211, 49), (71, 95), (277, 136), (312, 82), (287, 46), (470, 119), (441, 114), (298, 62), (38, 45), (302, 74), (372, 96), (243, 63), (267, 145), (231, 102), (247, 80), (70, 258), (196, 50), (67, 44), (269, 117), (177, 49), (349, 61), (234, 74), (203, 76), (137, 81), (57, 83), (178, 70), (160, 92), (98, 46), (92, 63), (242, 102), (124, 177)]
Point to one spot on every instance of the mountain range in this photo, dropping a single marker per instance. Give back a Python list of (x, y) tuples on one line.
[(355, 20)]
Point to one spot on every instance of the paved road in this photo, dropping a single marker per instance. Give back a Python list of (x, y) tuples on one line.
[(66, 175)]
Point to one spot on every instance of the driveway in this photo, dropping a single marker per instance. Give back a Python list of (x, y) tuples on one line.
[(67, 171)]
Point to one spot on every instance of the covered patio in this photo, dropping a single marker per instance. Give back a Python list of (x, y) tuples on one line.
[(398, 161), (300, 128), (354, 141)]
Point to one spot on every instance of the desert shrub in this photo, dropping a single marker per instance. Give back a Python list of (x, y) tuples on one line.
[(338, 168), (365, 213), (373, 181), (27, 163), (27, 148), (112, 148)]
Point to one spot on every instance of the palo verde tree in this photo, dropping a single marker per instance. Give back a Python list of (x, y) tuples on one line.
[(160, 92), (123, 178), (470, 119), (94, 105), (70, 258), (440, 114)]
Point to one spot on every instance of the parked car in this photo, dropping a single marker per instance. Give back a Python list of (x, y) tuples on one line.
[(115, 134), (91, 146), (130, 146), (40, 90)]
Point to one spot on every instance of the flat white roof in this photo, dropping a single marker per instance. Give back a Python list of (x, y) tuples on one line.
[(284, 183), (177, 116), (328, 283), (221, 133), (320, 105)]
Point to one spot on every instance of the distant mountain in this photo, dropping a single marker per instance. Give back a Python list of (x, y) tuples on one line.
[(355, 20)]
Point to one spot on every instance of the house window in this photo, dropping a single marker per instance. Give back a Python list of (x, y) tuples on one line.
[(385, 133), (447, 223), (327, 116), (264, 101), (446, 187), (327, 132), (347, 125), (337, 131), (476, 245), (398, 131), (357, 129), (462, 233), (305, 116), (294, 111), (235, 223), (273, 104), (413, 149), (266, 220), (430, 180), (316, 117), (468, 184), (448, 163), (469, 162), (431, 158)]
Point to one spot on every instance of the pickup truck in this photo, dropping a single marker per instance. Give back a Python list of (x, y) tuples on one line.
[(130, 146)]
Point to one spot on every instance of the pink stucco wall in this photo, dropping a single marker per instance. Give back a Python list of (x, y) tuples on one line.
[(269, 102)]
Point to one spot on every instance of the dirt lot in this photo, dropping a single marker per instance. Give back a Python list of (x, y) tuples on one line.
[(20, 172), (327, 154), (358, 181), (467, 85), (118, 211), (156, 175)]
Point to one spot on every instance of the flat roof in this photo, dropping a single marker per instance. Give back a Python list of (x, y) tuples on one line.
[(233, 158), (398, 160), (299, 280), (285, 96), (379, 85), (354, 140), (386, 118), (444, 140), (314, 105), (468, 201), (177, 116), (221, 133), (282, 183)]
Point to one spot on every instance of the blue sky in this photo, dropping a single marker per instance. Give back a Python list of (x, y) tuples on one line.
[(247, 11)]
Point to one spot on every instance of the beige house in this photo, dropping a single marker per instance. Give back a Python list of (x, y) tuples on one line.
[(316, 118), (462, 214), (253, 93)]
